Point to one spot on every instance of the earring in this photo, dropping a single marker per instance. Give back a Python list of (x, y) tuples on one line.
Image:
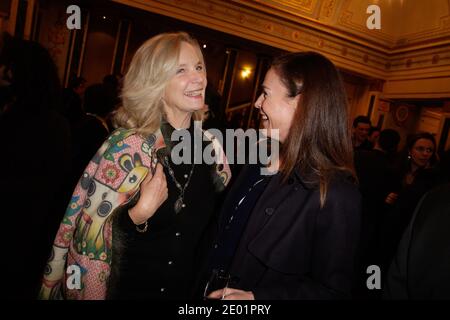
[(409, 157)]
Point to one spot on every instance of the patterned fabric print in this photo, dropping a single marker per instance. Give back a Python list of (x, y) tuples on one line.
[(222, 168), (110, 179), (85, 235)]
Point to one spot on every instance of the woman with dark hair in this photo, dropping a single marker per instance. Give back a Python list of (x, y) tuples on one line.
[(420, 155), (35, 161), (417, 175), (417, 169), (301, 224)]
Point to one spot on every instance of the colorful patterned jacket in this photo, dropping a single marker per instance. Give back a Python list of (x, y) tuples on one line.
[(80, 263)]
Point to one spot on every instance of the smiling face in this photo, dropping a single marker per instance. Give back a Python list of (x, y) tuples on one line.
[(361, 131), (277, 109), (421, 152), (185, 92)]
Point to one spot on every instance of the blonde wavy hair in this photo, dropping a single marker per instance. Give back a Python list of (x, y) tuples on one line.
[(151, 68)]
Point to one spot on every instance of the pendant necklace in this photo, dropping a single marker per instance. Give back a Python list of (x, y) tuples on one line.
[(179, 204)]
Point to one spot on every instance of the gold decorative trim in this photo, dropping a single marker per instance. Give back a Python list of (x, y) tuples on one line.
[(256, 20)]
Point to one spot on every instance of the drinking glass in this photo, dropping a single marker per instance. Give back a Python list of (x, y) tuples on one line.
[(219, 280)]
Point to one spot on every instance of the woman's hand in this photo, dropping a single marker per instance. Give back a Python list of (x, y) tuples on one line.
[(231, 294), (153, 193), (391, 198)]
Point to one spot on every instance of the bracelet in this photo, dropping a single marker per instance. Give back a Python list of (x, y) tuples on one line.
[(138, 229), (143, 229)]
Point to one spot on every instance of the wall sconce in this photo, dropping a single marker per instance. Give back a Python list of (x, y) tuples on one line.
[(245, 73)]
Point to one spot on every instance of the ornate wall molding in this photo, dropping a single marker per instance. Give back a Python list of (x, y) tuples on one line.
[(288, 31)]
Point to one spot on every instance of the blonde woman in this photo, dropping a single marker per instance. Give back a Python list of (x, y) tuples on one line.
[(135, 222)]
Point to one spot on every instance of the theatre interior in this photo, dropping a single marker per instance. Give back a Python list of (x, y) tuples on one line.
[(393, 55)]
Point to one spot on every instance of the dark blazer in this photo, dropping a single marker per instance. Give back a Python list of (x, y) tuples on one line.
[(421, 268), (292, 248)]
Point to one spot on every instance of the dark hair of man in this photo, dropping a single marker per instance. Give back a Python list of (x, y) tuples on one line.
[(319, 142), (361, 119), (389, 140), (76, 82), (35, 83), (374, 129)]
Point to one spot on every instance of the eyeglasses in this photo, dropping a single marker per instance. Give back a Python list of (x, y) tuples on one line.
[(423, 149)]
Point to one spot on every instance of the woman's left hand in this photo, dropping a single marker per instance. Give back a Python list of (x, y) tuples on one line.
[(232, 294)]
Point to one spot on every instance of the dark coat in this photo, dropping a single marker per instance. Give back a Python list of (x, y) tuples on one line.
[(377, 178), (293, 249), (421, 267), (400, 215)]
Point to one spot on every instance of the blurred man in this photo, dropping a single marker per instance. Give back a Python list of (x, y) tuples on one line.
[(361, 127)]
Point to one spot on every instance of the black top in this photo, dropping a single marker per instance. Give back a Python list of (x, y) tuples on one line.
[(421, 267), (293, 249), (399, 216), (161, 263), (235, 214), (35, 162), (377, 178)]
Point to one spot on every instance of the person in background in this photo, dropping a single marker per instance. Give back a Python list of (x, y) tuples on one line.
[(420, 267), (376, 175), (361, 128), (73, 101), (137, 219), (91, 130), (293, 234), (417, 173), (374, 134), (445, 165), (213, 113), (35, 161)]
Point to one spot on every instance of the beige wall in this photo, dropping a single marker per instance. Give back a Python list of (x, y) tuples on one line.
[(429, 121), (435, 87)]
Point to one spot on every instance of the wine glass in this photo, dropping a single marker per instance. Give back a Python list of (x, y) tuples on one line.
[(219, 280)]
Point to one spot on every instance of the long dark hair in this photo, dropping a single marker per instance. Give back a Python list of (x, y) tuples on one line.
[(319, 140)]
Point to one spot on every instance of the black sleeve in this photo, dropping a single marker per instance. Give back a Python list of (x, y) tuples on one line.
[(123, 220), (333, 251), (395, 286)]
